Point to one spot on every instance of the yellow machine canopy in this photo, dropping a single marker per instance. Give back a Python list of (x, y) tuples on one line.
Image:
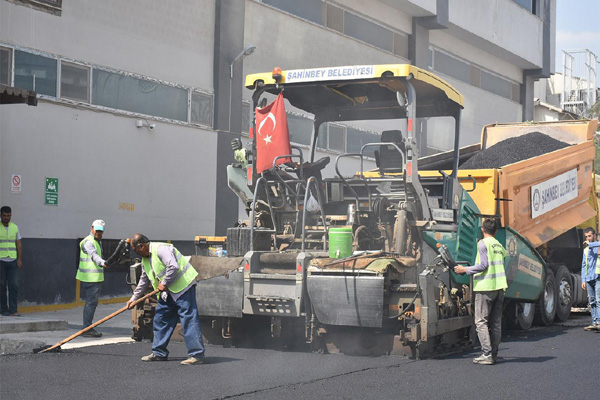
[(361, 92)]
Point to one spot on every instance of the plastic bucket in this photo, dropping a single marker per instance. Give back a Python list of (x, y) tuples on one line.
[(340, 242)]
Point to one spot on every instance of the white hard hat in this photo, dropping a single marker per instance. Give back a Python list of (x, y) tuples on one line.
[(98, 225)]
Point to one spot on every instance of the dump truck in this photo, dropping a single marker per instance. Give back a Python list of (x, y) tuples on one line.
[(361, 261), (548, 200)]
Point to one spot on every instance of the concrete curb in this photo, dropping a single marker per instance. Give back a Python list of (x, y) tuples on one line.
[(33, 326)]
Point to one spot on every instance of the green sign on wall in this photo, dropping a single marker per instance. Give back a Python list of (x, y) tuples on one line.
[(51, 191)]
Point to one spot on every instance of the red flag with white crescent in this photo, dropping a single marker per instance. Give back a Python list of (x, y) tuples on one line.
[(272, 135)]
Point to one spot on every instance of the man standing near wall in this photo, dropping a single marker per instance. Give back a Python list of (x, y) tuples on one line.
[(171, 273), (590, 278), (489, 284), (91, 273), (11, 262)]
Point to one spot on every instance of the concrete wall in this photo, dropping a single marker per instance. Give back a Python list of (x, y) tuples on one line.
[(501, 27), (103, 160), (145, 37)]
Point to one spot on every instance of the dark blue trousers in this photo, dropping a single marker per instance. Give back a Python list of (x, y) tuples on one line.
[(9, 279), (168, 314)]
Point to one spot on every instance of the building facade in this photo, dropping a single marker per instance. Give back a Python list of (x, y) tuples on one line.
[(139, 100)]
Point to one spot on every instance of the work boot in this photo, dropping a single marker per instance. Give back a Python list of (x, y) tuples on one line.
[(154, 357), (92, 333), (592, 327), (194, 361), (484, 360)]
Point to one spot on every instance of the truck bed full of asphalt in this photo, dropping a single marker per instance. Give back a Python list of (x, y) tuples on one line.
[(512, 150)]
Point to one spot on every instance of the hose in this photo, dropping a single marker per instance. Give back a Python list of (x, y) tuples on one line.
[(118, 253)]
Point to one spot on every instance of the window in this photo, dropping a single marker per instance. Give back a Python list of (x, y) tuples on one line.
[(401, 45), (322, 138), (335, 18), (336, 136), (368, 31), (516, 92), (495, 84), (5, 66), (532, 6), (430, 58), (50, 6), (311, 10), (452, 67), (300, 128), (35, 72), (202, 109), (357, 138), (74, 82), (473, 75), (246, 117), (142, 96)]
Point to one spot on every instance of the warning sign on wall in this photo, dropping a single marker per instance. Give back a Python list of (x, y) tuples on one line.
[(15, 184)]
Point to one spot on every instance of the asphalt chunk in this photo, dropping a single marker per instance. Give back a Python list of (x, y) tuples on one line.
[(512, 150)]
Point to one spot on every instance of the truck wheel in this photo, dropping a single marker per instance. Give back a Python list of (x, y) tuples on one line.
[(545, 306), (580, 299), (565, 292), (521, 316)]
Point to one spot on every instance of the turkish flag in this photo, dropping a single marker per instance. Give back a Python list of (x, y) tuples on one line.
[(272, 135)]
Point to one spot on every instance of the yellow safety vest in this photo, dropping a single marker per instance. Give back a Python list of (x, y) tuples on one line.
[(156, 270), (8, 245), (494, 277), (88, 270)]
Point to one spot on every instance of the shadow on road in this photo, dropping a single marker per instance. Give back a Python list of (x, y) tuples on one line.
[(506, 360), (535, 334)]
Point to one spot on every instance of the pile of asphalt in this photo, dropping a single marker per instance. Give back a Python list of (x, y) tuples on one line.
[(512, 150)]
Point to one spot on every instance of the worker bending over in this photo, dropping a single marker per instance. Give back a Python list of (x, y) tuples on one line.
[(171, 273)]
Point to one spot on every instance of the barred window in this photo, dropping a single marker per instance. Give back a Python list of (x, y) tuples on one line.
[(137, 95), (311, 10), (202, 109), (246, 117), (74, 81), (336, 138), (5, 66)]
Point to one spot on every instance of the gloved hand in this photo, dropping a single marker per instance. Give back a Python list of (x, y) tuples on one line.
[(236, 144)]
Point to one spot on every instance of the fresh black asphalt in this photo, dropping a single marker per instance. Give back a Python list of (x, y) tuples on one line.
[(545, 363)]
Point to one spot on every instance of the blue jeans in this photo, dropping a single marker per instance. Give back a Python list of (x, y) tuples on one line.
[(168, 313), (593, 291), (92, 294), (9, 279)]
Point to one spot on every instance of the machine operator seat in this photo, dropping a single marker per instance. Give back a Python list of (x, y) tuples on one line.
[(313, 169), (387, 158)]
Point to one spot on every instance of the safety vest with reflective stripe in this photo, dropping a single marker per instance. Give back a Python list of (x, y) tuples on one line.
[(585, 254), (8, 245), (494, 277), (156, 270), (88, 270)]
